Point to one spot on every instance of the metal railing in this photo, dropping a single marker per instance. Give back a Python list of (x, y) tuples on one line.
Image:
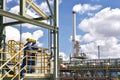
[(11, 66), (15, 67), (41, 63)]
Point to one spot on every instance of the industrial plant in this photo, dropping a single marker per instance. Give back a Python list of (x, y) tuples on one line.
[(27, 61)]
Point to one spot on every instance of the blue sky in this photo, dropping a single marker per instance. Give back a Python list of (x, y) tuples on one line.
[(97, 24)]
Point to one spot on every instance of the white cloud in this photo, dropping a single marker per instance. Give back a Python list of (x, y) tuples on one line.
[(14, 34), (109, 48), (79, 8), (44, 7), (102, 29), (90, 14), (31, 13), (104, 23), (77, 38), (88, 37), (91, 56), (15, 9), (30, 26), (64, 56), (37, 34)]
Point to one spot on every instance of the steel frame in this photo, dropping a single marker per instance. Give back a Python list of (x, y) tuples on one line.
[(23, 19)]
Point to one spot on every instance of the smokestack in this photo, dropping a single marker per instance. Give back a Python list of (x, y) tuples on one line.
[(74, 25), (74, 33)]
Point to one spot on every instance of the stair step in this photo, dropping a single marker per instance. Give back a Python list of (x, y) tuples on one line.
[(35, 75), (37, 79)]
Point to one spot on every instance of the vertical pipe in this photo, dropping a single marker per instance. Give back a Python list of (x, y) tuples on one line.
[(98, 52), (2, 34), (22, 7), (56, 44), (74, 33), (50, 39)]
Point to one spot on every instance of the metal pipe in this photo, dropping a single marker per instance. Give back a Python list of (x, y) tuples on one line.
[(56, 44), (22, 7), (98, 51)]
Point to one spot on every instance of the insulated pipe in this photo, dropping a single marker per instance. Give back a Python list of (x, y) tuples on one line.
[(74, 33)]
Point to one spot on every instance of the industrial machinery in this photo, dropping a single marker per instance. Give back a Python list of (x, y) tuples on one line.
[(91, 69), (81, 68)]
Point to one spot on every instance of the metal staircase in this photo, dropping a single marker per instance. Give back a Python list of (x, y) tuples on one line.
[(11, 64)]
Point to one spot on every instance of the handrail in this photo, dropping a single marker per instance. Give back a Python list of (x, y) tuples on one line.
[(20, 70), (12, 58), (18, 63), (42, 56), (1, 49)]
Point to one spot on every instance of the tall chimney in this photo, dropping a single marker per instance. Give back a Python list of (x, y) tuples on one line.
[(74, 34)]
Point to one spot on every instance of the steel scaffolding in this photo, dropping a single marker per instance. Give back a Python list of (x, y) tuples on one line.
[(22, 18)]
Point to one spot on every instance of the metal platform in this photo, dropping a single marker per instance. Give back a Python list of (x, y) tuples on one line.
[(35, 76)]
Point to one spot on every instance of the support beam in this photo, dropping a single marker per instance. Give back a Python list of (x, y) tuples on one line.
[(26, 20), (40, 12), (50, 9), (21, 22)]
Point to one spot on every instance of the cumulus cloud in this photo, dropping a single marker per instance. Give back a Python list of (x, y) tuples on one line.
[(14, 34), (64, 56), (105, 22), (44, 7), (15, 9), (77, 38), (109, 48), (102, 29), (79, 8), (35, 35), (31, 13)]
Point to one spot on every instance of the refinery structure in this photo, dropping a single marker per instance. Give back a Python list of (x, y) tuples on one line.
[(48, 65)]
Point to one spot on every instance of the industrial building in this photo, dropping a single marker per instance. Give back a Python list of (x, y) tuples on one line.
[(77, 68)]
